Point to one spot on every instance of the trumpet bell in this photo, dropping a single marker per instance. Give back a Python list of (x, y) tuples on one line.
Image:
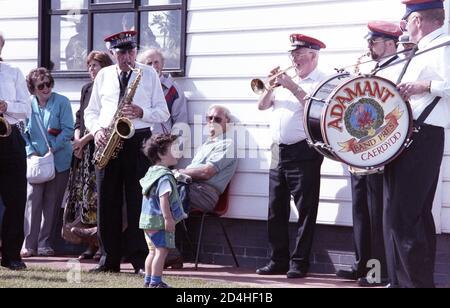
[(258, 86)]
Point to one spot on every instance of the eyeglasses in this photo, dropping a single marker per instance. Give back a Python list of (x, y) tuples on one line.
[(404, 22), (41, 86), (295, 55), (217, 120), (372, 42)]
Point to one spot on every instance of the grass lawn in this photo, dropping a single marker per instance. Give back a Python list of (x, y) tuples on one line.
[(41, 277)]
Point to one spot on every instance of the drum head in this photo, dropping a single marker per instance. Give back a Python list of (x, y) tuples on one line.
[(366, 122)]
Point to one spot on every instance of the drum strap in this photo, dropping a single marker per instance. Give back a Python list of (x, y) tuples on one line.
[(425, 113), (411, 56)]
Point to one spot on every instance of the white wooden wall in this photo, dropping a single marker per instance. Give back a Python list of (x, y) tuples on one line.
[(229, 42)]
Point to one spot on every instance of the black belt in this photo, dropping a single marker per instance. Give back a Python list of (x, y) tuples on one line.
[(282, 145)]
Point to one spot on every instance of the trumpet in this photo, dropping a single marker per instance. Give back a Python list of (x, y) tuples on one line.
[(259, 86), (5, 127)]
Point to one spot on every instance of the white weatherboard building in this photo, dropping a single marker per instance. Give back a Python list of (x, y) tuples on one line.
[(229, 42)]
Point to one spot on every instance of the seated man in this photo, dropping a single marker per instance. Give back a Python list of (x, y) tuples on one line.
[(214, 164), (211, 169)]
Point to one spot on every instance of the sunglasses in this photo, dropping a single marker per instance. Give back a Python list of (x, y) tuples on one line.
[(372, 42), (41, 86), (217, 120)]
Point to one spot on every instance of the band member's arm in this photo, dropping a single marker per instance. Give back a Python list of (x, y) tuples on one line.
[(266, 100), (286, 81), (20, 108), (156, 111), (92, 111), (439, 86)]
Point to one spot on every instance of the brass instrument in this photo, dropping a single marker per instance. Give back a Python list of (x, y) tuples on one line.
[(359, 62), (119, 129), (5, 127), (259, 86)]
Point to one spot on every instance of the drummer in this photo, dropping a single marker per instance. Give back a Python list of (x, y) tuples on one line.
[(295, 168), (367, 189), (411, 179)]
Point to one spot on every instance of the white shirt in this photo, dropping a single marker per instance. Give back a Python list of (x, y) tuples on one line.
[(434, 66), (105, 97), (13, 90), (286, 121), (392, 71)]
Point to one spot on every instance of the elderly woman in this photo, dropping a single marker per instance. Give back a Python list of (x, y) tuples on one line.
[(80, 215), (54, 113)]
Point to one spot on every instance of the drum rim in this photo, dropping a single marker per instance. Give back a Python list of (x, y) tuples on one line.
[(307, 108), (408, 133)]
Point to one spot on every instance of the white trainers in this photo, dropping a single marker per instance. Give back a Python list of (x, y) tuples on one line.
[(28, 253), (46, 252)]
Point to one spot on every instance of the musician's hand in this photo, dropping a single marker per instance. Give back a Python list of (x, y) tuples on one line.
[(133, 112), (273, 72), (100, 138), (3, 106), (409, 89), (286, 82)]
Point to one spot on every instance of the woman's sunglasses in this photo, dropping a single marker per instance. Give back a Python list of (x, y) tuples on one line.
[(41, 86), (217, 120)]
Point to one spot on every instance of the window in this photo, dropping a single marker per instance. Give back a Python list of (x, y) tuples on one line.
[(70, 29)]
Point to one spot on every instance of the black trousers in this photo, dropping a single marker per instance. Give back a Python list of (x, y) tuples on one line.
[(410, 235), (295, 171), (367, 210), (13, 190), (119, 181)]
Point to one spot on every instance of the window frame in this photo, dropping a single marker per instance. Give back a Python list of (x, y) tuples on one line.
[(44, 30)]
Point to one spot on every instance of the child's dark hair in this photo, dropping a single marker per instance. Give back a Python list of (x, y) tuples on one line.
[(157, 144)]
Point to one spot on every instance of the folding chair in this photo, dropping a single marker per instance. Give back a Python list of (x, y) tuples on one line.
[(220, 209)]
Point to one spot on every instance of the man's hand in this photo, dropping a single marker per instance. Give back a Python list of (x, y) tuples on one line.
[(100, 138), (133, 112), (3, 106), (409, 89)]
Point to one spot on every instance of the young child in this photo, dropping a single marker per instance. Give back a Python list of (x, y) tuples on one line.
[(161, 206)]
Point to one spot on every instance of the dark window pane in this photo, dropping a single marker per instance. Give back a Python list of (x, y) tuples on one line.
[(107, 24), (111, 1), (160, 2), (69, 42), (162, 29), (69, 4)]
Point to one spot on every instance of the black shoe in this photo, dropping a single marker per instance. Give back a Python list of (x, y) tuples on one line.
[(349, 275), (272, 269), (174, 262), (364, 282), (295, 273), (104, 269), (14, 265)]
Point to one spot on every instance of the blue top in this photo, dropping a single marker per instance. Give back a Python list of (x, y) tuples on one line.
[(58, 124)]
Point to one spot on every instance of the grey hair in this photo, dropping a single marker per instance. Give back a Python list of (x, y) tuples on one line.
[(225, 110), (141, 57)]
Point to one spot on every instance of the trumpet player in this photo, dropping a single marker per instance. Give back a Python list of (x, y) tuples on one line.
[(367, 189), (14, 107), (119, 180), (295, 168)]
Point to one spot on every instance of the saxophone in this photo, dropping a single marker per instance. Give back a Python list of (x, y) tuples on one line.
[(120, 128), (359, 62)]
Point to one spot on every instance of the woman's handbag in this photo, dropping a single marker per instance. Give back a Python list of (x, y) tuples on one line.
[(41, 169)]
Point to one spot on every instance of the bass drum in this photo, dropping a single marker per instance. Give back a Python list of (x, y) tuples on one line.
[(363, 122), (313, 113)]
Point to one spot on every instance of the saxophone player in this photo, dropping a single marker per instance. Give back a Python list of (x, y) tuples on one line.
[(119, 180), (14, 107)]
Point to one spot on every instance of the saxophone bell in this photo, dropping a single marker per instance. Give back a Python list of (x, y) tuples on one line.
[(124, 128)]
